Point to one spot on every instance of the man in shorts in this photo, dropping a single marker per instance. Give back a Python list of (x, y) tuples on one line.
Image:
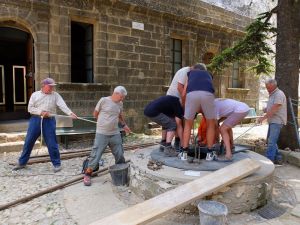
[(231, 112), (176, 89), (167, 112), (200, 98)]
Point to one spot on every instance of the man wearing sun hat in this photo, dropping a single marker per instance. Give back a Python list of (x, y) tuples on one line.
[(42, 104)]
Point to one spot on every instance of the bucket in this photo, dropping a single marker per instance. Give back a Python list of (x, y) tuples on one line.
[(212, 213), (119, 174)]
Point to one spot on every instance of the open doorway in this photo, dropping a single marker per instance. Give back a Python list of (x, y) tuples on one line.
[(16, 70)]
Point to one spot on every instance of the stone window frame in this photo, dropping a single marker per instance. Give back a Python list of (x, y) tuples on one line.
[(93, 21), (173, 51), (237, 74)]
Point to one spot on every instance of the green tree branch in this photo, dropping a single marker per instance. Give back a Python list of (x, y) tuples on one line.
[(253, 46)]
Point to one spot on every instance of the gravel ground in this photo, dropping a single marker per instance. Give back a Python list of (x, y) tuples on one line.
[(49, 208)]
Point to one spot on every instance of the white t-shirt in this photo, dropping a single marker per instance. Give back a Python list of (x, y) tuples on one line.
[(180, 77), (108, 118), (224, 107)]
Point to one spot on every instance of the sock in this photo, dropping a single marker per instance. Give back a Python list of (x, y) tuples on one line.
[(168, 144), (183, 149), (210, 150), (177, 140)]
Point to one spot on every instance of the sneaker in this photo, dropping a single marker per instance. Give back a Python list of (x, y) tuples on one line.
[(170, 152), (19, 167), (56, 169), (278, 162), (87, 180), (210, 156)]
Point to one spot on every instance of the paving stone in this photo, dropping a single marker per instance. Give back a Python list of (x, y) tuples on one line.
[(296, 211)]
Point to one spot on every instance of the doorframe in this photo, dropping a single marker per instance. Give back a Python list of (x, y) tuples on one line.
[(14, 85), (3, 85)]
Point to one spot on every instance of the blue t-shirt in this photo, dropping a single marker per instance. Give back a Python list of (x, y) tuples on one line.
[(199, 80), (168, 105)]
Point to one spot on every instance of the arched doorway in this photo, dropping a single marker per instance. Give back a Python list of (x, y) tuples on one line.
[(16, 72)]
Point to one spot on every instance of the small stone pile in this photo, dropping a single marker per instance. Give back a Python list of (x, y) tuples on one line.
[(154, 165)]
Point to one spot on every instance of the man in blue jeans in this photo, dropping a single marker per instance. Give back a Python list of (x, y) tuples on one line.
[(276, 113), (108, 112), (41, 105)]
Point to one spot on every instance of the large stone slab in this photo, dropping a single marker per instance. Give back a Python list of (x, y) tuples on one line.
[(203, 165)]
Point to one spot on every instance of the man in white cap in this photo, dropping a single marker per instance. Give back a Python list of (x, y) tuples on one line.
[(109, 113), (42, 104)]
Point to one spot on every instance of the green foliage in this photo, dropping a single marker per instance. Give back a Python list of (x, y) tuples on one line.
[(253, 46)]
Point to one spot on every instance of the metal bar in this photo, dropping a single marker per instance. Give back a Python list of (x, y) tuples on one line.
[(294, 121)]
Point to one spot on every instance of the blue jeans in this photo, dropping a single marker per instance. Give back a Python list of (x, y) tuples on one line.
[(272, 138), (100, 143), (33, 132)]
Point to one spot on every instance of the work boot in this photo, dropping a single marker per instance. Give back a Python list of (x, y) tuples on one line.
[(162, 145), (170, 151), (87, 177), (19, 167)]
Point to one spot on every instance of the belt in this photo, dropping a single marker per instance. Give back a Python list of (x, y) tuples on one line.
[(33, 115)]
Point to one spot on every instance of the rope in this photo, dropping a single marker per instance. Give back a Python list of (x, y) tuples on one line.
[(246, 131), (41, 131), (80, 118)]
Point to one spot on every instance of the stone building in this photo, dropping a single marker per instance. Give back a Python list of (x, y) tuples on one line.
[(90, 46)]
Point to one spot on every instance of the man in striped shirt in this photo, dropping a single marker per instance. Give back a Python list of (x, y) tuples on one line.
[(42, 105)]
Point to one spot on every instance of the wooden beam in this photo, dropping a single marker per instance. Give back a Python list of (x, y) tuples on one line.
[(153, 208)]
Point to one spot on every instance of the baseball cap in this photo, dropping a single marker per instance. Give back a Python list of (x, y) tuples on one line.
[(48, 81)]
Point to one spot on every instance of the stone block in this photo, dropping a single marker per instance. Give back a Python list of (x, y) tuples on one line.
[(296, 211), (127, 39), (121, 47), (118, 29), (140, 65), (294, 158), (3, 138), (147, 50), (128, 55), (147, 42)]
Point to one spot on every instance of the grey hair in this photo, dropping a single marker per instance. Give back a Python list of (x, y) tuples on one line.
[(271, 81), (121, 90), (200, 66)]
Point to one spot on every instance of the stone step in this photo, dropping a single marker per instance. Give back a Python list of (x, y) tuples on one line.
[(16, 146), (13, 126), (12, 137)]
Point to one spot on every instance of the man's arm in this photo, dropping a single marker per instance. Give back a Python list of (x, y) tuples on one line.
[(270, 113), (124, 125), (96, 114), (182, 90)]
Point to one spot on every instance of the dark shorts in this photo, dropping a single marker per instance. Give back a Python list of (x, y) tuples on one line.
[(167, 123)]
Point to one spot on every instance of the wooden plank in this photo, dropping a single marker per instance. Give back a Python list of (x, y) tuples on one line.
[(153, 208)]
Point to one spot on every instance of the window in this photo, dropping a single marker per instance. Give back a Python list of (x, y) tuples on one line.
[(207, 57), (176, 49), (235, 81), (81, 52)]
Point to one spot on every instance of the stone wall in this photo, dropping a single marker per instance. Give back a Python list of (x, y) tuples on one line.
[(137, 59)]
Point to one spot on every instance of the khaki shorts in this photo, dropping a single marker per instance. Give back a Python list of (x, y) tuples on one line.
[(200, 101), (234, 119)]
